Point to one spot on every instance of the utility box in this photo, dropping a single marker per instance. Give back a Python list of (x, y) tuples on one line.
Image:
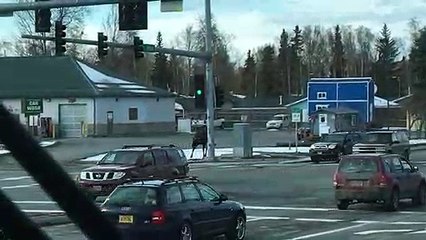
[(243, 141)]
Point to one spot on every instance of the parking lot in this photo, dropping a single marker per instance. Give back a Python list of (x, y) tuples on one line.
[(284, 201)]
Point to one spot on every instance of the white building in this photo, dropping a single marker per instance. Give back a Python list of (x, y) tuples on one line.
[(81, 100)]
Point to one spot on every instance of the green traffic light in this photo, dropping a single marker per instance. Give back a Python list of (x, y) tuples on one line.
[(199, 92)]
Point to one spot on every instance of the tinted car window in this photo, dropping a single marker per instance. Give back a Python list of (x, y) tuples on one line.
[(174, 156), (133, 196), (381, 138), (190, 193), (387, 163), (396, 164), (148, 159), (173, 194), (358, 165), (334, 138), (160, 157), (405, 165), (207, 192), (124, 157)]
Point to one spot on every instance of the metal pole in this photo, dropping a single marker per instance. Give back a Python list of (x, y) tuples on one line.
[(194, 54), (209, 83)]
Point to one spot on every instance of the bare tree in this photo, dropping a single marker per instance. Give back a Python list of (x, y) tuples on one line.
[(73, 18), (187, 40)]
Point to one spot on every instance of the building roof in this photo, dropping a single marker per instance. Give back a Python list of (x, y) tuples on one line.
[(342, 79), (378, 103), (50, 77)]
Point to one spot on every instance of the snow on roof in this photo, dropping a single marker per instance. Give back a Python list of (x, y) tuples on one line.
[(98, 77), (103, 81), (383, 103), (178, 106)]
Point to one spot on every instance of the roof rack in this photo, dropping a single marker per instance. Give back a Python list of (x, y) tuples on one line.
[(165, 180), (129, 146)]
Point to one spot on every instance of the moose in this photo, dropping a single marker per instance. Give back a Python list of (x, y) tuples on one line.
[(200, 138)]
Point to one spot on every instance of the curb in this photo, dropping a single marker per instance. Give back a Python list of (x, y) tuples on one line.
[(54, 144), (51, 220)]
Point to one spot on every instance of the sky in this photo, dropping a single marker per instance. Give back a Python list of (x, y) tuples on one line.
[(253, 23)]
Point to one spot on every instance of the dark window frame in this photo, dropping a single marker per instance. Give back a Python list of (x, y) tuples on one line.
[(133, 113)]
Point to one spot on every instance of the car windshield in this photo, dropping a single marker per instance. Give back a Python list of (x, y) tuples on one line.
[(277, 118), (358, 165), (133, 196), (380, 138), (123, 157), (333, 138)]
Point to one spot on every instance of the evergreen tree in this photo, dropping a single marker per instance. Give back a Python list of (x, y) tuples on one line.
[(388, 51), (296, 48), (284, 63), (249, 75), (268, 77), (418, 64), (161, 72), (338, 54)]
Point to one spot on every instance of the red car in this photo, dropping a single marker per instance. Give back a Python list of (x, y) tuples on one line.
[(378, 178)]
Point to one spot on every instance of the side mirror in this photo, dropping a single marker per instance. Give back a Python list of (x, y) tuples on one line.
[(223, 197)]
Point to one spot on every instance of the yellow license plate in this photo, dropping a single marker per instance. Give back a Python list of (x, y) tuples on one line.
[(125, 219)]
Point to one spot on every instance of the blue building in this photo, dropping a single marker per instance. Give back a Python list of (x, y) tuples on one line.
[(355, 93)]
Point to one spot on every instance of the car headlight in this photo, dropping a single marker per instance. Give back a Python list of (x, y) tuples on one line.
[(312, 146), (82, 176), (332, 146), (118, 175)]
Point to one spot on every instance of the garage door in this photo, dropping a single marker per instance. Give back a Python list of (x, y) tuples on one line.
[(70, 118)]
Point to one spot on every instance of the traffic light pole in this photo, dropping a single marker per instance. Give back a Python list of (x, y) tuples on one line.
[(209, 83), (193, 54)]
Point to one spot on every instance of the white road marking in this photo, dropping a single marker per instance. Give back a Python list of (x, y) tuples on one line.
[(20, 186), (318, 220), (42, 211), (289, 208), (35, 202), (418, 232), (329, 232), (383, 231), (15, 178), (256, 218)]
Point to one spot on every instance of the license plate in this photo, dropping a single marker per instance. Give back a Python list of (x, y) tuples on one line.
[(357, 183), (125, 219), (97, 188)]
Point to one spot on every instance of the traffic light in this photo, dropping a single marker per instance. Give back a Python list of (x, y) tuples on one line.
[(133, 16), (138, 47), (59, 38), (220, 96), (200, 97), (102, 45), (42, 19)]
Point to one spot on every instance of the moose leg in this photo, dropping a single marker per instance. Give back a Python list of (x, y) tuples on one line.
[(194, 146)]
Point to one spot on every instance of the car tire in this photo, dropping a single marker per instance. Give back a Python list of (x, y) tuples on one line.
[(185, 232), (339, 156), (238, 228), (315, 160), (343, 204), (392, 204), (420, 198)]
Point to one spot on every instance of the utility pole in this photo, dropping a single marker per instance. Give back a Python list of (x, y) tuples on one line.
[(209, 83)]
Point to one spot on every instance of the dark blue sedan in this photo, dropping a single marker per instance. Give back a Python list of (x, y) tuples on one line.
[(182, 209)]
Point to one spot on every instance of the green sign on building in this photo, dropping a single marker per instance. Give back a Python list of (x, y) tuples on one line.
[(32, 106)]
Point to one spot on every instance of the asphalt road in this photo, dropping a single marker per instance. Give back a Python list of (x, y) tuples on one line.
[(284, 201)]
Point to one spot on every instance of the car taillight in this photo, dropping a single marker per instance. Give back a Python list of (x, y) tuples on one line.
[(338, 179), (379, 180), (158, 217)]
